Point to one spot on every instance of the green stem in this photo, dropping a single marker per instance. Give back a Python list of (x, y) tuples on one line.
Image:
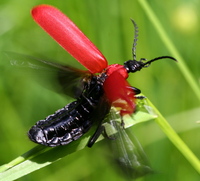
[(175, 139), (170, 46)]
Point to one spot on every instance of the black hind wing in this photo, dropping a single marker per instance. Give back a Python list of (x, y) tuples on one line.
[(54, 76)]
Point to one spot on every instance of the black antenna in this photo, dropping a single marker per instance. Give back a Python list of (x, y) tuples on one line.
[(135, 39), (134, 65), (146, 64)]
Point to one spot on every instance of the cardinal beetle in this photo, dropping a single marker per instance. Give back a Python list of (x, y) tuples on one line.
[(101, 87)]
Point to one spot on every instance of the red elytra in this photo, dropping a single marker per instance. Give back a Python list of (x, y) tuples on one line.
[(68, 35)]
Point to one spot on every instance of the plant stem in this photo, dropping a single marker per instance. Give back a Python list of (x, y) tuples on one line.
[(171, 47), (176, 140)]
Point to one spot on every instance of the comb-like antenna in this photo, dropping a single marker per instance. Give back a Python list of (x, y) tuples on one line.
[(135, 39)]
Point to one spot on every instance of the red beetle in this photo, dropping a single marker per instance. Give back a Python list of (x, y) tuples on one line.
[(67, 34), (96, 90)]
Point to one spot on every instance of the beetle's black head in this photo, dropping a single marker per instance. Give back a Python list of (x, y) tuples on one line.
[(134, 65)]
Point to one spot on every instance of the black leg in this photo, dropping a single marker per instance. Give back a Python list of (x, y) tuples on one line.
[(100, 129), (136, 92), (140, 97)]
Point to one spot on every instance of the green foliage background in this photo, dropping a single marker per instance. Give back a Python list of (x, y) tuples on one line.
[(108, 25)]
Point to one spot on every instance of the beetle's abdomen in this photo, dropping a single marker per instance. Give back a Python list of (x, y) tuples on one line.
[(64, 126), (75, 119)]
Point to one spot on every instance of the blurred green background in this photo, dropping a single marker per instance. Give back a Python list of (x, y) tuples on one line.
[(108, 25)]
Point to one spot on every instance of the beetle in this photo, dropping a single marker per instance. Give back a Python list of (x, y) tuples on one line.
[(96, 90)]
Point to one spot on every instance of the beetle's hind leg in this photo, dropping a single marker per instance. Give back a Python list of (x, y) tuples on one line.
[(100, 130)]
